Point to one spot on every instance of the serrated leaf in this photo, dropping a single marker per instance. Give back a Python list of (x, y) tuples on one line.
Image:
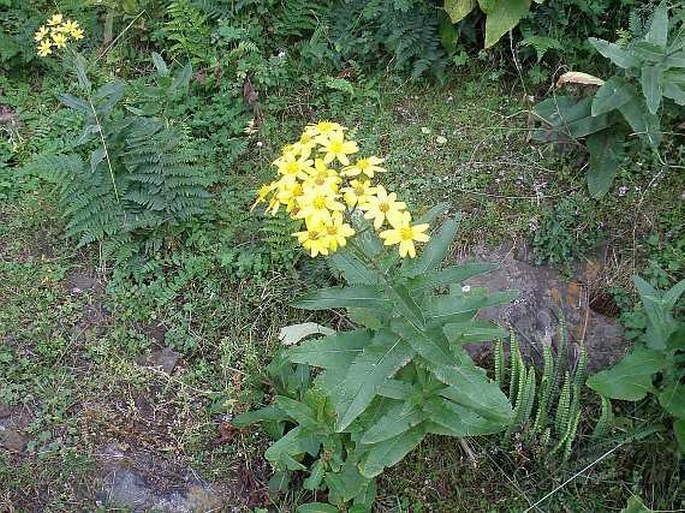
[(649, 52), (606, 153), (316, 475), (400, 418), (442, 309), (658, 27), (353, 269), (635, 505), (456, 420), (386, 454), (362, 296), (502, 16), (674, 91), (282, 451), (346, 484), (614, 93), (75, 103), (160, 65), (643, 123), (395, 389), (433, 252), (622, 58), (267, 414), (459, 9), (366, 374), (337, 350), (631, 378), (300, 412), (658, 306), (96, 156), (651, 82)]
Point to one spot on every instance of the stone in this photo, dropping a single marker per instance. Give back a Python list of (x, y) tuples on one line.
[(12, 440), (164, 359), (545, 298)]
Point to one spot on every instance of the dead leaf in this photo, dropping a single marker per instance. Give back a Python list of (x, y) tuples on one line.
[(577, 77)]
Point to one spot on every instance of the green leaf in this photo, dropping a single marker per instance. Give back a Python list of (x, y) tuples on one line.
[(267, 414), (337, 350), (353, 269), (470, 387), (160, 65), (282, 451), (614, 93), (363, 296), (455, 420), (367, 373), (316, 475), (651, 81), (442, 309), (432, 348), (622, 58), (679, 428), (434, 251), (291, 335), (300, 412), (449, 276), (672, 399), (672, 295), (642, 122), (346, 484), (635, 505), (386, 454), (674, 90), (400, 418), (658, 27), (75, 103), (473, 331), (631, 378), (502, 16), (459, 9), (658, 307), (317, 507), (405, 305), (396, 389), (649, 52), (606, 153)]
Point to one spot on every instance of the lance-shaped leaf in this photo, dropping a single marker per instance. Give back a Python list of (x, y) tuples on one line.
[(444, 308), (317, 507), (658, 27), (651, 80), (435, 349), (266, 414), (614, 93), (473, 331), (622, 58), (346, 484), (449, 276), (672, 399), (400, 418), (658, 307), (642, 122), (363, 296), (283, 451), (606, 153), (337, 350), (470, 387), (299, 412), (455, 420), (459, 9), (353, 269), (434, 251), (386, 454), (365, 375), (631, 378)]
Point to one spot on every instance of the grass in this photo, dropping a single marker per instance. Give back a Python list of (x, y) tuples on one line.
[(72, 358)]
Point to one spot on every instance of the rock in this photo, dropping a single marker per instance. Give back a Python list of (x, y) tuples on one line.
[(164, 359), (543, 297), (12, 440)]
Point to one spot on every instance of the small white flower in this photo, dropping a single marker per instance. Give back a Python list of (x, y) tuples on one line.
[(425, 130), (260, 144), (440, 139), (466, 289)]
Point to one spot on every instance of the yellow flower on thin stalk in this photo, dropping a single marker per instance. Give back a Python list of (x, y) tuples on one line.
[(382, 206), (41, 34), (289, 195), (358, 193), (60, 40), (69, 26), (77, 34), (323, 128), (323, 178), (55, 20), (45, 48), (404, 234), (336, 147), (293, 166), (314, 240), (367, 166), (337, 232)]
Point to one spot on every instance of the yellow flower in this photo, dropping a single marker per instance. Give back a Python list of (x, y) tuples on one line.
[(316, 207), (358, 192), (323, 178), (290, 165), (336, 147), (69, 26), (368, 166), (382, 206), (337, 232), (264, 191), (323, 128), (289, 194), (313, 240), (55, 20), (77, 34), (304, 145), (41, 33), (45, 48), (404, 234), (60, 40)]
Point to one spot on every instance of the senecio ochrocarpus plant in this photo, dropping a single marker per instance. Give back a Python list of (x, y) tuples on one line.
[(402, 373)]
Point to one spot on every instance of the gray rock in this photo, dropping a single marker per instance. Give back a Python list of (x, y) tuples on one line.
[(12, 440), (544, 298), (164, 359)]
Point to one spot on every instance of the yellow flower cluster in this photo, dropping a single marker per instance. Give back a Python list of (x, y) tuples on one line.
[(313, 191), (56, 33)]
